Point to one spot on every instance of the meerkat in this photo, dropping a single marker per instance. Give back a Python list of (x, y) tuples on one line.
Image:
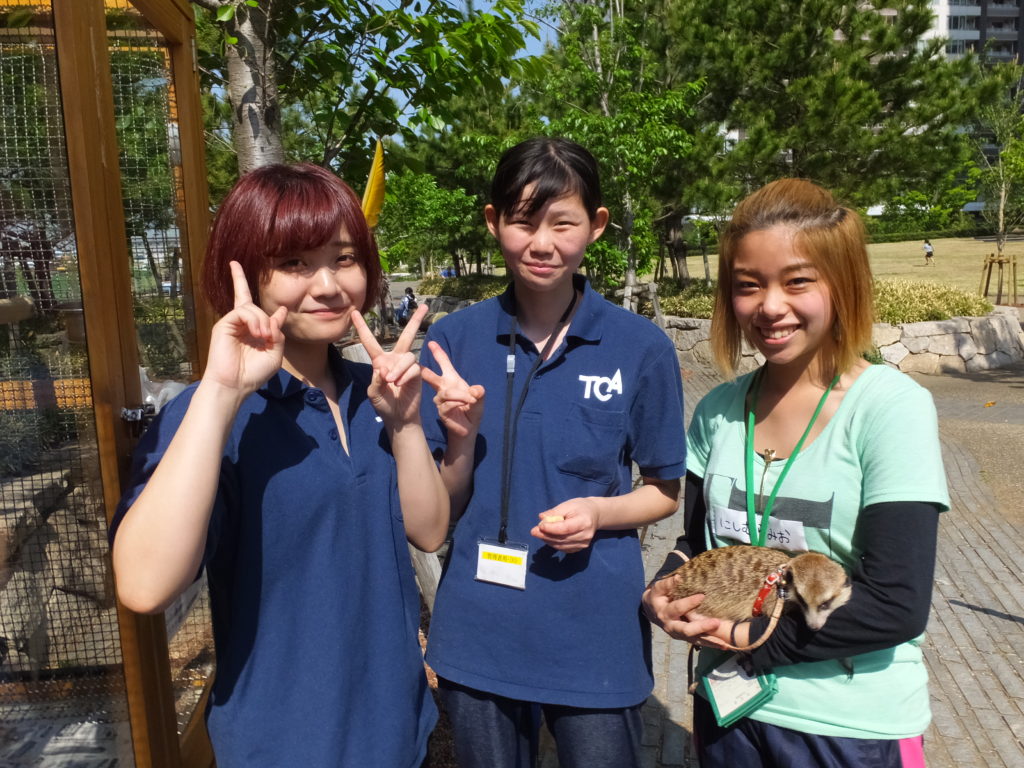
[(734, 579)]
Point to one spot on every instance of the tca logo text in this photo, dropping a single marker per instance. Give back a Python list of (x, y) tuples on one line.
[(602, 387)]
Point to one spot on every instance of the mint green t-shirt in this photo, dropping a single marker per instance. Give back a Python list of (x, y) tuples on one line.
[(881, 445)]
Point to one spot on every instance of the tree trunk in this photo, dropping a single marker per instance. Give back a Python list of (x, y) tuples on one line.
[(627, 231), (252, 87), (677, 252), (1001, 228)]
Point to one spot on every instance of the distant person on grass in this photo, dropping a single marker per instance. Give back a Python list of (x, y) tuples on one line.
[(929, 251), (295, 478)]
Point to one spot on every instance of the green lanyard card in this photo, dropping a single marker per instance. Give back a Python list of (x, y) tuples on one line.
[(733, 693)]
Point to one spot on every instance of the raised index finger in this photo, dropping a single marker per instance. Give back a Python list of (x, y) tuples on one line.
[(412, 327), (241, 286)]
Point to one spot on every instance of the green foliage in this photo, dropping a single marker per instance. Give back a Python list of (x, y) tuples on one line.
[(601, 90), (694, 300), (939, 209), (999, 148), (838, 92), (878, 232), (355, 71), (905, 301), (873, 356), (422, 220), (160, 321), (605, 263), (142, 118), (34, 185), (473, 287), (26, 435), (896, 301)]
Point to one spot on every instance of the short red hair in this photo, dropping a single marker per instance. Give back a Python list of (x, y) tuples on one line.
[(278, 210)]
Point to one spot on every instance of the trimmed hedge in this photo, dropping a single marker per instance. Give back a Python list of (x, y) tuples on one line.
[(895, 237), (896, 300)]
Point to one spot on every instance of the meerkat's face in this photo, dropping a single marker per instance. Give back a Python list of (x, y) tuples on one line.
[(819, 585)]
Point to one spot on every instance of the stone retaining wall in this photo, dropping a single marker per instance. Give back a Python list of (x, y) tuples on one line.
[(959, 345)]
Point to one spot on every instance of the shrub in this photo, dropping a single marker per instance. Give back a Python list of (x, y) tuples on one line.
[(904, 301), (473, 287), (896, 301), (933, 234), (161, 325), (693, 300), (26, 435)]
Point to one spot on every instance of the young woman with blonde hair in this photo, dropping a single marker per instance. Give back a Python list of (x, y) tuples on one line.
[(815, 450)]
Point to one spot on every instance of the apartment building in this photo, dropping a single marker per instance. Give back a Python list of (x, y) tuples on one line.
[(993, 26)]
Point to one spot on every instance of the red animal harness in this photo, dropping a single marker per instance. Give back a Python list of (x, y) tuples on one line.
[(770, 582)]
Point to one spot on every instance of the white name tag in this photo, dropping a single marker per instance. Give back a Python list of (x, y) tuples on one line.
[(782, 534), (503, 564), (734, 693)]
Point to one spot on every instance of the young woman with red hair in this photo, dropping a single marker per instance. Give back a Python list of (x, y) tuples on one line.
[(294, 478)]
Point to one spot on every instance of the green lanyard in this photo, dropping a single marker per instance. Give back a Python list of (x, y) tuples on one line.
[(759, 536)]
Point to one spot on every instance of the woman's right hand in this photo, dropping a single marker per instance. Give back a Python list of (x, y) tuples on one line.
[(247, 345), (678, 618), (459, 405)]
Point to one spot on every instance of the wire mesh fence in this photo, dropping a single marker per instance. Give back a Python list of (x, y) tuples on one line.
[(62, 690)]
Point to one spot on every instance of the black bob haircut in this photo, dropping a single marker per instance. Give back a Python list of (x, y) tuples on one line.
[(556, 167)]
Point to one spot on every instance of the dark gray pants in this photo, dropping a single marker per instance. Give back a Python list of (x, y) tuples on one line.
[(752, 744), (495, 732)]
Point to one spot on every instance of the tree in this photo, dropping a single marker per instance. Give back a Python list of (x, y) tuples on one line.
[(939, 208), (999, 145), (601, 90), (849, 94), (34, 214), (421, 223), (354, 70)]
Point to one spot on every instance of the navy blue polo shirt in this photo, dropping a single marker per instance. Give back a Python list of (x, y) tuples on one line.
[(609, 396), (314, 602)]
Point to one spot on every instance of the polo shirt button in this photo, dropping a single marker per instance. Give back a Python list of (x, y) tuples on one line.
[(312, 396), (333, 433)]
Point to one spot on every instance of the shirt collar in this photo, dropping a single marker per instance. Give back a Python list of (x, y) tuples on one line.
[(586, 324), (282, 384)]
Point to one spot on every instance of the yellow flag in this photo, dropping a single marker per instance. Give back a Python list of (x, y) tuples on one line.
[(373, 195)]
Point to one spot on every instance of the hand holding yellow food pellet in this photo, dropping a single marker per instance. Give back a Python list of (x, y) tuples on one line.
[(570, 526)]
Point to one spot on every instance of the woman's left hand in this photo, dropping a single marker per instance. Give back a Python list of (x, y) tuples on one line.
[(569, 527), (395, 388), (680, 618)]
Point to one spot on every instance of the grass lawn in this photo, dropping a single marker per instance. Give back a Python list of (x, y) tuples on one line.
[(958, 262)]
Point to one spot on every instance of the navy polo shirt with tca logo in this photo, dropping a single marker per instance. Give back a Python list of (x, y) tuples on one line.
[(609, 396), (314, 602)]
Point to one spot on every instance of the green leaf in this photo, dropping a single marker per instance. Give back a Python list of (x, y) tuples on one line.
[(225, 13), (20, 17)]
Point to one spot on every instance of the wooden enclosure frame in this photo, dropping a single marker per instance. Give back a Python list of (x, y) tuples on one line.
[(88, 106)]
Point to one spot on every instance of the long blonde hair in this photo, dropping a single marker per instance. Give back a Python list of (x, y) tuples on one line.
[(831, 236)]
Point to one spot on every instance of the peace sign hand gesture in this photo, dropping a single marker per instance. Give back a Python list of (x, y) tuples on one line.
[(247, 345), (459, 405), (394, 390)]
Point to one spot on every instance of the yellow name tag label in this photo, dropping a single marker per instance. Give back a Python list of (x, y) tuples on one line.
[(499, 557), (503, 564)]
